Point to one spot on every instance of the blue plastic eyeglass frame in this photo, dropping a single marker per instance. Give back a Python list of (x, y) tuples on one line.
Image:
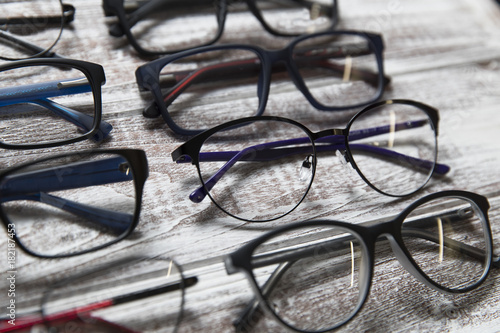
[(93, 128), (148, 75), (131, 165)]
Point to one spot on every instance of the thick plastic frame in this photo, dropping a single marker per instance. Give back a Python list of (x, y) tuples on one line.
[(190, 150), (240, 260), (95, 75), (139, 165), (148, 75), (116, 8)]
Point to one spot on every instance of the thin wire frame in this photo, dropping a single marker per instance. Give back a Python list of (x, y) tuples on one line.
[(138, 166), (66, 16), (190, 152), (128, 16), (367, 235), (149, 76), (95, 76)]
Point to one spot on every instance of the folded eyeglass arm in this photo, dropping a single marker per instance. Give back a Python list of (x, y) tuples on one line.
[(39, 93), (272, 151), (33, 186), (287, 258)]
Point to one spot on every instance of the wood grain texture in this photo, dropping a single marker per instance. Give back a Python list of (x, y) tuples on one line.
[(445, 54)]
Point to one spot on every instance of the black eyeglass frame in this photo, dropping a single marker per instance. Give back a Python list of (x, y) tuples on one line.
[(148, 75), (117, 8), (139, 165), (191, 149), (241, 259), (96, 77)]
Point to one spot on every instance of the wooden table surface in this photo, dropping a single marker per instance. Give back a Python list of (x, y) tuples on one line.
[(444, 53)]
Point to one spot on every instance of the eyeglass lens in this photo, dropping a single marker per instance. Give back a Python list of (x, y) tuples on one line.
[(174, 25), (36, 22), (102, 301), (210, 88), (408, 134), (297, 17), (294, 268), (56, 100), (70, 204)]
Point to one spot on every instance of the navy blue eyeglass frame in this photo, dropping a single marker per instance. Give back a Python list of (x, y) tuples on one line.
[(23, 185), (148, 75), (93, 128), (369, 233), (127, 18)]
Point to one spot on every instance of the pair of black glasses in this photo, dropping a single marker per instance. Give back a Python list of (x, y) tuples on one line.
[(30, 29), (74, 203), (315, 276), (201, 88), (259, 169), (164, 26), (61, 98)]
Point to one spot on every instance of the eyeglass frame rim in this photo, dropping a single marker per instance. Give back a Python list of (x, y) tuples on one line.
[(148, 75), (240, 259), (117, 8), (138, 160), (192, 148), (94, 73)]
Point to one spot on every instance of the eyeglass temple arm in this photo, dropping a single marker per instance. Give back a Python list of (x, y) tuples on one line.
[(285, 261), (68, 16), (268, 152), (181, 80), (34, 185), (18, 42), (39, 93), (65, 316)]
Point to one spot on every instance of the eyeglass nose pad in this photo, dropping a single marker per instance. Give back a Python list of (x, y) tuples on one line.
[(306, 169), (344, 159)]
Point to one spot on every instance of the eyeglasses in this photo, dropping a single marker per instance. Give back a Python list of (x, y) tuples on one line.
[(50, 102), (164, 26), (315, 276), (100, 300), (74, 203), (260, 168), (31, 28), (201, 88)]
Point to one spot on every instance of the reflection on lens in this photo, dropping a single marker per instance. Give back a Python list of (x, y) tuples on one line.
[(168, 26), (399, 154), (45, 104), (199, 90), (339, 70), (298, 17), (315, 276), (104, 299), (447, 240), (71, 204), (257, 171), (35, 22)]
